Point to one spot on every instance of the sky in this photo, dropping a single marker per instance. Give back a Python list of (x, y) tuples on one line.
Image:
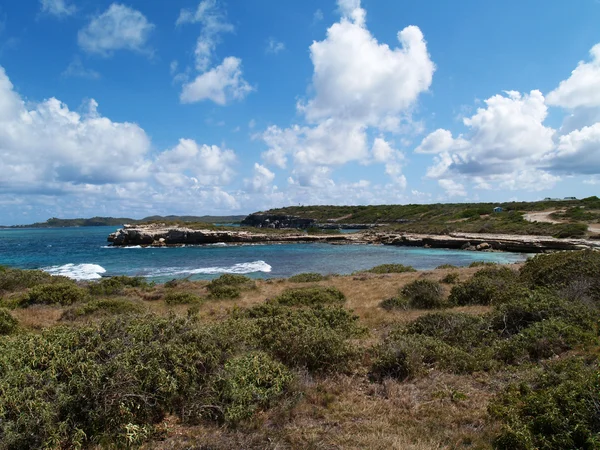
[(192, 107)]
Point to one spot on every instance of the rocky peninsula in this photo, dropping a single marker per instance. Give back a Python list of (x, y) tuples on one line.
[(158, 235)]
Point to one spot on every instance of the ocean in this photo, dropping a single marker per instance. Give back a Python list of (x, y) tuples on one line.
[(84, 254)]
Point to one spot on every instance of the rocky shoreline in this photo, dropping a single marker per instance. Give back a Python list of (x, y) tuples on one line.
[(157, 235)]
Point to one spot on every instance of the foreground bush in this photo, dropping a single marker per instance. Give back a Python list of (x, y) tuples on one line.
[(182, 298), (12, 280), (63, 294), (317, 339), (390, 268), (564, 269), (488, 286), (8, 323), (307, 278), (424, 294), (108, 384), (250, 382), (464, 330), (558, 410), (396, 303), (310, 296), (116, 285), (451, 278), (104, 307), (571, 230), (229, 286)]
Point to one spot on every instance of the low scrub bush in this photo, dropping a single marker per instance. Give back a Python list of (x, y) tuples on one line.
[(447, 266), (571, 230), (12, 280), (229, 286), (104, 307), (558, 410), (8, 324), (117, 285), (317, 339), (458, 329), (307, 278), (451, 278), (390, 268), (310, 296), (251, 382), (564, 269), (182, 298), (543, 340), (488, 286), (63, 294), (424, 294), (399, 303), (482, 264)]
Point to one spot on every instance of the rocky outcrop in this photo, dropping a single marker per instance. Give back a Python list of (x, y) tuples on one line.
[(160, 235), (277, 221)]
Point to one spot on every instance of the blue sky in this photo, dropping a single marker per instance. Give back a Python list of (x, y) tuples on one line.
[(212, 107)]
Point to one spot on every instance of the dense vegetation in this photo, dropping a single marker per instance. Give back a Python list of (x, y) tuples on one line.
[(505, 359), (118, 221), (458, 217)]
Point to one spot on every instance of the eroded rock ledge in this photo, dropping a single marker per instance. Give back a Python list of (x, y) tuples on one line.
[(160, 235)]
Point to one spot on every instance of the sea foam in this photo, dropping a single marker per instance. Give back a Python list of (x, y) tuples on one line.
[(241, 268), (77, 271)]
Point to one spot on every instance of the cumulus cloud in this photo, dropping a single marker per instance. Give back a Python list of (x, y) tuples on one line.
[(262, 181), (274, 46), (77, 69), (189, 164), (220, 84), (359, 84), (452, 188), (224, 82), (118, 28), (58, 8)]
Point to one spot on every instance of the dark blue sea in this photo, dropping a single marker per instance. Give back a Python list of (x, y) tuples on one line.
[(83, 253)]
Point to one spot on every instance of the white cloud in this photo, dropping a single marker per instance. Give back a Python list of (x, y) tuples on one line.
[(190, 164), (118, 28), (76, 69), (578, 151), (261, 181), (359, 84), (452, 188), (213, 22), (393, 159), (48, 147), (582, 88), (58, 8), (274, 46), (437, 142), (220, 84), (317, 16)]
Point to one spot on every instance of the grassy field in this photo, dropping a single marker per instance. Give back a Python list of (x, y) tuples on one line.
[(480, 357), (459, 217)]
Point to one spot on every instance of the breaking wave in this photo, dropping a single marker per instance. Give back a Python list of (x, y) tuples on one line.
[(77, 271), (241, 268)]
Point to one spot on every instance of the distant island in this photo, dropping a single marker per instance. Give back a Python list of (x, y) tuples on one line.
[(116, 221)]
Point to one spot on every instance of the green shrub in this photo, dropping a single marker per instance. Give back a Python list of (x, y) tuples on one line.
[(8, 323), (404, 356), (313, 338), (451, 278), (424, 294), (561, 270), (488, 286), (571, 230), (558, 410), (307, 278), (400, 303), (229, 286), (458, 329), (117, 285), (310, 296), (514, 316), (543, 340), (482, 264), (12, 280), (102, 308), (390, 268), (182, 298), (447, 266), (55, 294), (251, 382)]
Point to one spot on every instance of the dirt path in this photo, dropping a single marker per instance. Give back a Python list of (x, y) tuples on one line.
[(544, 216)]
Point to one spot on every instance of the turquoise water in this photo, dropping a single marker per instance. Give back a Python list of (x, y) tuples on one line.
[(83, 253)]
